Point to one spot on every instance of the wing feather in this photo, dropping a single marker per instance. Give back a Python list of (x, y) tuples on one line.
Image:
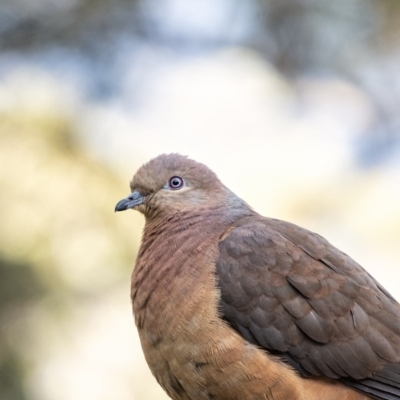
[(291, 292)]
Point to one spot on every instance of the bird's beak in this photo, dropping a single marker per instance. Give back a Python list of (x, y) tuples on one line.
[(133, 200)]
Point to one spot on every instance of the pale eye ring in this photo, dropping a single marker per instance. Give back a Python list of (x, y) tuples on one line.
[(176, 182)]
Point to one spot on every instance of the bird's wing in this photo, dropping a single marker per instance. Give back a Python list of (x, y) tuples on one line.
[(292, 293)]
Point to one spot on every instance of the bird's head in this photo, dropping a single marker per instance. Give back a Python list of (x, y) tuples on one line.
[(172, 183)]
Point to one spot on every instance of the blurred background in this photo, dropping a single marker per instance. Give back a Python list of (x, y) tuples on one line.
[(294, 103)]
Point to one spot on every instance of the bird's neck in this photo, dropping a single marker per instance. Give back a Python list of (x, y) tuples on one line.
[(175, 254)]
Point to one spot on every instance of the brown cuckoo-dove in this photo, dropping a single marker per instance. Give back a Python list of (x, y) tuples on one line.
[(231, 305)]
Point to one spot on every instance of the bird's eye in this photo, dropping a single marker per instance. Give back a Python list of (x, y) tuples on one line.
[(176, 182)]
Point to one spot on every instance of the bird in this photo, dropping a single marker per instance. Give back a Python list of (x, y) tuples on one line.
[(232, 305)]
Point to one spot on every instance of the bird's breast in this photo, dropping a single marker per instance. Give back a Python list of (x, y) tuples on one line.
[(175, 302)]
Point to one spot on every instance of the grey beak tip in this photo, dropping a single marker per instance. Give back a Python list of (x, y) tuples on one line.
[(121, 205)]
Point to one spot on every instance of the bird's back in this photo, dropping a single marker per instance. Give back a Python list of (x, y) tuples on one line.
[(310, 304)]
